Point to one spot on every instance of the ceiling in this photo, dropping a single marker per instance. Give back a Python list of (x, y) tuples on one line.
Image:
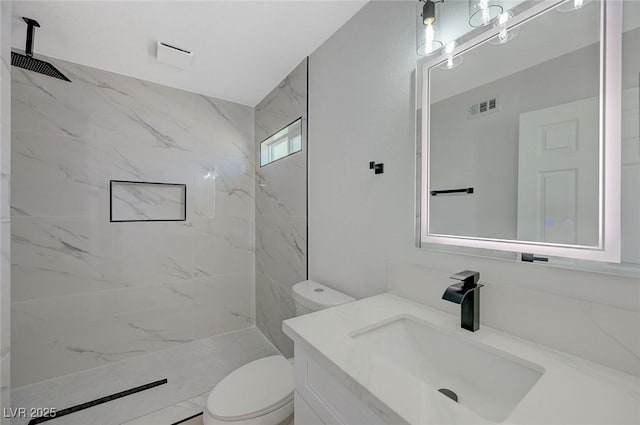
[(242, 49)]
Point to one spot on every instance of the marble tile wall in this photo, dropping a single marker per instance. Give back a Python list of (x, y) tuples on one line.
[(281, 210), (5, 219), (88, 292)]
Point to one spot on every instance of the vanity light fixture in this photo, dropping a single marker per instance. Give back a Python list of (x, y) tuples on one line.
[(428, 12), (482, 12), (571, 5), (452, 61), (505, 34), (427, 28)]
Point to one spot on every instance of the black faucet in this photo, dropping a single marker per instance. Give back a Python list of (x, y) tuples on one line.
[(467, 294)]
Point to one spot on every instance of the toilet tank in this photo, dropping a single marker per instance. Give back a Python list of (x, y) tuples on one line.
[(310, 296)]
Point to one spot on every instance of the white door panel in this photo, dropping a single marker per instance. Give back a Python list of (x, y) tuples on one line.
[(558, 174), (631, 176)]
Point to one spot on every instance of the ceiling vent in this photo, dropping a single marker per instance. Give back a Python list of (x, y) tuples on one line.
[(174, 56)]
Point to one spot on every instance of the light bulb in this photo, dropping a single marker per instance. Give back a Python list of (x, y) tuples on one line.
[(486, 16), (448, 49), (502, 21), (482, 12), (425, 28), (571, 5), (429, 37), (451, 61), (504, 34), (426, 36)]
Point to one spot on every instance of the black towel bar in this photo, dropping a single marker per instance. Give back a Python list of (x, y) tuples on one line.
[(465, 190)]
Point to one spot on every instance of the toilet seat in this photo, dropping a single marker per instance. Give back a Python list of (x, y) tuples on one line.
[(254, 390)]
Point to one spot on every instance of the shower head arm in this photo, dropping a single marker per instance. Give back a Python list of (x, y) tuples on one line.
[(28, 62), (31, 24)]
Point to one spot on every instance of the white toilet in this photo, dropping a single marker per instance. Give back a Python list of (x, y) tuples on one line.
[(261, 392)]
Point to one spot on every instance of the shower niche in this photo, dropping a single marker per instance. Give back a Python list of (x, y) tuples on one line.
[(132, 201)]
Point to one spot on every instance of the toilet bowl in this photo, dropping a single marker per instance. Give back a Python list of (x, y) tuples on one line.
[(261, 391), (258, 393)]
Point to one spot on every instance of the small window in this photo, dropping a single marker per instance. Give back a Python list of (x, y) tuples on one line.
[(284, 143)]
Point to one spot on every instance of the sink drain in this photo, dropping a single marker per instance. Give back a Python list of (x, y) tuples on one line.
[(453, 396)]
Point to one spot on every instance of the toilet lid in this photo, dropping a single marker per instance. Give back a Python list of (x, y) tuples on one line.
[(316, 296), (253, 390)]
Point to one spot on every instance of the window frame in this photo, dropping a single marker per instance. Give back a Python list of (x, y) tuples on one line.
[(289, 141)]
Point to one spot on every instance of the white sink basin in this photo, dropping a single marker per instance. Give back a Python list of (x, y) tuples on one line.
[(487, 381)]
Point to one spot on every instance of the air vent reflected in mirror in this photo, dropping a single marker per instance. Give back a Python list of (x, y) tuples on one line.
[(483, 107)]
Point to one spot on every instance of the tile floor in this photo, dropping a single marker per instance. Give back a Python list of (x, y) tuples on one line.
[(191, 370), (194, 421), (173, 414)]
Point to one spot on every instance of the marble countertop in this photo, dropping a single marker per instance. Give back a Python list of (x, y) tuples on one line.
[(571, 391)]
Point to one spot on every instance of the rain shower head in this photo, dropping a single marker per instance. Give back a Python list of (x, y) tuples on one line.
[(36, 65), (28, 62)]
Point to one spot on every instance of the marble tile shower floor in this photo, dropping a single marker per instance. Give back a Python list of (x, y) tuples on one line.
[(176, 413), (191, 370)]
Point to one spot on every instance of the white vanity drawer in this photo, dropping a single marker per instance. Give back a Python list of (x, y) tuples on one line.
[(328, 397)]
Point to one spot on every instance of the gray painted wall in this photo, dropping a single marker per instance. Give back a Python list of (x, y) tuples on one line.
[(87, 292), (361, 226), (281, 210)]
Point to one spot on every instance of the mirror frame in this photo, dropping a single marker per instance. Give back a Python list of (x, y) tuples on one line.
[(609, 247)]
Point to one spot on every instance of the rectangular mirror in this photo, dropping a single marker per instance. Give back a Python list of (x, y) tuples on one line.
[(522, 135)]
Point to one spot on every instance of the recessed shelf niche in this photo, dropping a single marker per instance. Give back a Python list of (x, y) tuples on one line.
[(132, 201)]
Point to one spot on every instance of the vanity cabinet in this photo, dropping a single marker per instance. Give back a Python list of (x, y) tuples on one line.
[(322, 398), (381, 360)]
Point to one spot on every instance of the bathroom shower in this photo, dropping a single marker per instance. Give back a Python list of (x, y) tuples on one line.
[(28, 62)]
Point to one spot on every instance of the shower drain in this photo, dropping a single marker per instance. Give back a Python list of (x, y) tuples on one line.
[(453, 396)]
